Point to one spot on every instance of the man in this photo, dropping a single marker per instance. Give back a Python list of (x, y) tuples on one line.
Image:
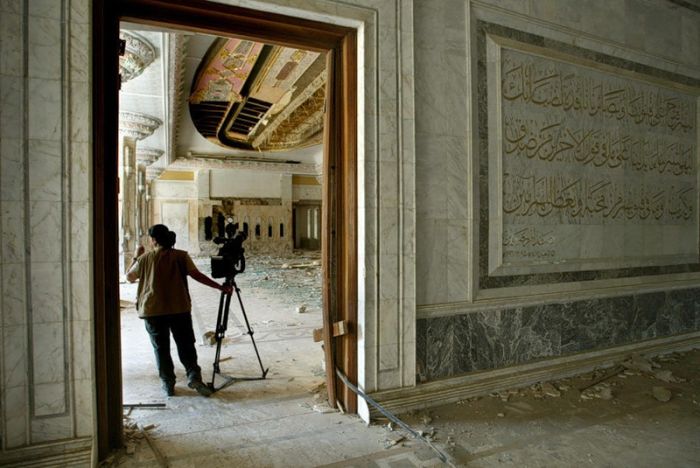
[(163, 301)]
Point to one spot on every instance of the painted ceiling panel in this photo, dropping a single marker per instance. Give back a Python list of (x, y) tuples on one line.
[(222, 79), (241, 87)]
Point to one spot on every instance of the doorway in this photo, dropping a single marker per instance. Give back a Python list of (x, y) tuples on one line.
[(338, 224)]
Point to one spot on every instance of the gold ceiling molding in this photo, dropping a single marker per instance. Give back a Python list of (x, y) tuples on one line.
[(308, 104), (138, 55), (137, 126)]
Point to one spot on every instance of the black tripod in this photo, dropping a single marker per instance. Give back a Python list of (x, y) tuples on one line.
[(221, 324)]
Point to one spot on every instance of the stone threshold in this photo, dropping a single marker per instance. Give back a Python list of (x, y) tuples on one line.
[(72, 452), (446, 391)]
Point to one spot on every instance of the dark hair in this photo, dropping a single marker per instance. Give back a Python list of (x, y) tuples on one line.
[(164, 237)]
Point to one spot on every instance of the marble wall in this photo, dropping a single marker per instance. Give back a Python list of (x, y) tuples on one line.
[(46, 323), (491, 339), (474, 314)]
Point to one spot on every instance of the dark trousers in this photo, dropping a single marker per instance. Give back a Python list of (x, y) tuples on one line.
[(159, 328)]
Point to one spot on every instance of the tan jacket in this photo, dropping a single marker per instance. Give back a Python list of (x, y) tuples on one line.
[(163, 282)]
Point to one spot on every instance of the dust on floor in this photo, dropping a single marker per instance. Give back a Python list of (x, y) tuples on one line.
[(643, 412)]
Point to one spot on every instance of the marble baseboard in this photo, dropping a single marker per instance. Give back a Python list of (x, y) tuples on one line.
[(493, 339), (73, 452), (454, 389)]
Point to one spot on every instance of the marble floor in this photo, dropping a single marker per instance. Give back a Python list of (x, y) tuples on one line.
[(283, 421)]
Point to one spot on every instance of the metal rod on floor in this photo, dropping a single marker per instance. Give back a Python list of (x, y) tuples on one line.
[(391, 417)]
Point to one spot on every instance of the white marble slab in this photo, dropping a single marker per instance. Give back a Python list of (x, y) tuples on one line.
[(47, 292), (14, 299), (11, 169), (48, 353), (10, 52), (44, 36), (44, 109), (45, 170), (15, 405), (49, 399)]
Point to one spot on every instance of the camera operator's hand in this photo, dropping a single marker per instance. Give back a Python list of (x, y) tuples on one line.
[(226, 288)]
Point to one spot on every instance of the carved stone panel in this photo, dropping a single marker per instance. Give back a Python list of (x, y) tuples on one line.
[(590, 167)]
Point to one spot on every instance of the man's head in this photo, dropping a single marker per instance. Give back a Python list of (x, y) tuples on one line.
[(161, 235)]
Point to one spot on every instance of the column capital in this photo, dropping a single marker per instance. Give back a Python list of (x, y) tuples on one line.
[(139, 54), (137, 126)]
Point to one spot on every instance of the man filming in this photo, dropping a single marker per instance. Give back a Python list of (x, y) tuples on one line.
[(163, 301)]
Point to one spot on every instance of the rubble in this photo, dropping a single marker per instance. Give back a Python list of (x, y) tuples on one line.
[(662, 394)]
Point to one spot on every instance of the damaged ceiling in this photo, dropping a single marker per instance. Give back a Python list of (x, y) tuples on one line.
[(224, 100)]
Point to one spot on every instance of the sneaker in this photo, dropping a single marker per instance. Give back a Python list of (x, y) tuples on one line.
[(200, 388), (169, 388)]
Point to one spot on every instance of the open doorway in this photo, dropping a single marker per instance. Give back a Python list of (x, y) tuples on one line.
[(338, 241), (246, 123)]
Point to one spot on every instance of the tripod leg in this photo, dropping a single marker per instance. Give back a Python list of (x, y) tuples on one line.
[(221, 320), (250, 330)]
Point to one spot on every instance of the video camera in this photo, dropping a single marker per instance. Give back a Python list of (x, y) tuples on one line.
[(230, 260)]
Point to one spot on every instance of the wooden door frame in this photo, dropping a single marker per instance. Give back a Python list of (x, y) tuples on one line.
[(339, 217)]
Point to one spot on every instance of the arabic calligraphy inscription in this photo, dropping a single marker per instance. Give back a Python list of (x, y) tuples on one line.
[(589, 168)]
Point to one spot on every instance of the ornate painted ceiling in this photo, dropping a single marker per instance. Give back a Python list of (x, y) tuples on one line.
[(222, 102), (249, 95)]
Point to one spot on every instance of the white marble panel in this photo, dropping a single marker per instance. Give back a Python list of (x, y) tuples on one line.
[(14, 356), (47, 292), (80, 112), (45, 112), (174, 189), (79, 50), (49, 399), (48, 343), (50, 9), (389, 185), (14, 311), (82, 349), (13, 241), (458, 198), (46, 228), (80, 231), (441, 93), (51, 429), (446, 16), (431, 190), (84, 405), (431, 274), (15, 407), (80, 11), (80, 183), (389, 237), (661, 25), (457, 260), (45, 170), (10, 107), (11, 170), (10, 52), (44, 58), (690, 37), (80, 291), (11, 6)]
